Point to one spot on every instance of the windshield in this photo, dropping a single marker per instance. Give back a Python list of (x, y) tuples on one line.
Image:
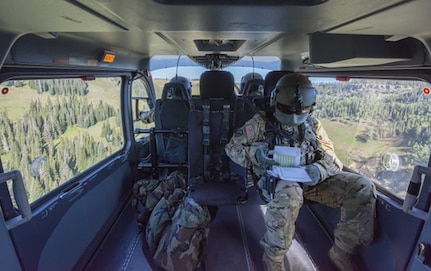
[(165, 68)]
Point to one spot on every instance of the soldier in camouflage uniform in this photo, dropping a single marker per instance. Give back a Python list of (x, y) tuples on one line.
[(292, 125)]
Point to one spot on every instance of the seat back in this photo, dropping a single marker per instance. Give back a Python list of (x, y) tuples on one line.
[(171, 123), (175, 90), (252, 89), (211, 120), (211, 125), (217, 85)]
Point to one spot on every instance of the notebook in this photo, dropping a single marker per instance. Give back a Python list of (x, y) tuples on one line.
[(289, 169)]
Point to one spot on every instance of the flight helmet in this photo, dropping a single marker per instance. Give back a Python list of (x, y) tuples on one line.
[(248, 77), (293, 99), (186, 82)]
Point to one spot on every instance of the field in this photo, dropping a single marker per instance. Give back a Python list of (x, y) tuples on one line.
[(99, 91), (367, 158), (350, 150), (24, 95)]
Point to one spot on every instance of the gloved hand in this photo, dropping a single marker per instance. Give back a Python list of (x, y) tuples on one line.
[(263, 159), (314, 174)]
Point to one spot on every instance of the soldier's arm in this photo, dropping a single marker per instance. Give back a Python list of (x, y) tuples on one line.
[(328, 164), (147, 116), (243, 145)]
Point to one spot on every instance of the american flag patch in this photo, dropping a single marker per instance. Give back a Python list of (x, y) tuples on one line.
[(249, 131)]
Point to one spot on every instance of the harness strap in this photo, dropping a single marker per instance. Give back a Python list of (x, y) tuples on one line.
[(206, 130), (225, 127)]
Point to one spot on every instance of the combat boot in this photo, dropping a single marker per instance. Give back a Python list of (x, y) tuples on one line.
[(342, 260), (272, 264)]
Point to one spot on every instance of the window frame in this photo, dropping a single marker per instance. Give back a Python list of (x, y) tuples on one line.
[(401, 75), (50, 74)]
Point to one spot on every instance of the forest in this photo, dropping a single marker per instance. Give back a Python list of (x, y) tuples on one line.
[(53, 140)]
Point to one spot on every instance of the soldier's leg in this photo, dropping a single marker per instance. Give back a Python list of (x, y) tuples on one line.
[(355, 195), (280, 219)]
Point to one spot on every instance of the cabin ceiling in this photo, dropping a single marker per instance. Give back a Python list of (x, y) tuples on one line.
[(142, 28)]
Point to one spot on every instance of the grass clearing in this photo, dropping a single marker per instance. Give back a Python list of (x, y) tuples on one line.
[(17, 101), (349, 150), (94, 131)]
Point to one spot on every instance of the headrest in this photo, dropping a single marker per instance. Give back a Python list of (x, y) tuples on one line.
[(217, 84), (271, 80), (175, 90)]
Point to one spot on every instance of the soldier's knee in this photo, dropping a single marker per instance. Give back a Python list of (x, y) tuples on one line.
[(367, 190), (287, 200), (287, 192)]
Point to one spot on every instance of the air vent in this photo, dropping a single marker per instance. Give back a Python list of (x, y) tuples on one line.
[(218, 45), (215, 61)]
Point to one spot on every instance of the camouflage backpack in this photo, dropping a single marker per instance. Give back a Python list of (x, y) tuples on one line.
[(161, 218), (181, 244), (148, 192)]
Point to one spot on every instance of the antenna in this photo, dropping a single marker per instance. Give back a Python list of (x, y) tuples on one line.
[(252, 60), (176, 70)]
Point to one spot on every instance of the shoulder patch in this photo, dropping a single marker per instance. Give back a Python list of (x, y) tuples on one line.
[(249, 131)]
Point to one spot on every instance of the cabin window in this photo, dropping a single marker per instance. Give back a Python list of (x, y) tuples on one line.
[(141, 106), (380, 128), (53, 129)]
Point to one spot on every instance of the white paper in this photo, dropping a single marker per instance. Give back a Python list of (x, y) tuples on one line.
[(291, 174), (289, 159)]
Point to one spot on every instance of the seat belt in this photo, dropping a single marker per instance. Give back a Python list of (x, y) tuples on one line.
[(225, 127), (221, 163), (160, 138), (206, 130)]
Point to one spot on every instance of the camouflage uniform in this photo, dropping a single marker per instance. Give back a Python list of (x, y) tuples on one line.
[(147, 116), (353, 193)]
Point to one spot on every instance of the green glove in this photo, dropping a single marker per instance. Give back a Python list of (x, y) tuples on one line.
[(263, 159), (314, 174)]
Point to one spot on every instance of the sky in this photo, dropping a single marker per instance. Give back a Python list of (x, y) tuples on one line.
[(195, 72), (168, 66)]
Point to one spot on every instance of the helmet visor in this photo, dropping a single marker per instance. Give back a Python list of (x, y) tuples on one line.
[(289, 109)]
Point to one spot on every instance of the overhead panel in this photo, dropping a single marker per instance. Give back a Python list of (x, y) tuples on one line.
[(238, 43), (76, 17), (338, 50), (403, 20)]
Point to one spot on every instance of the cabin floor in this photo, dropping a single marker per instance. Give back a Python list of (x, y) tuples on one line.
[(233, 242)]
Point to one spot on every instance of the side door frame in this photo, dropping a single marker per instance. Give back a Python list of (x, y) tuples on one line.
[(70, 222), (401, 238)]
